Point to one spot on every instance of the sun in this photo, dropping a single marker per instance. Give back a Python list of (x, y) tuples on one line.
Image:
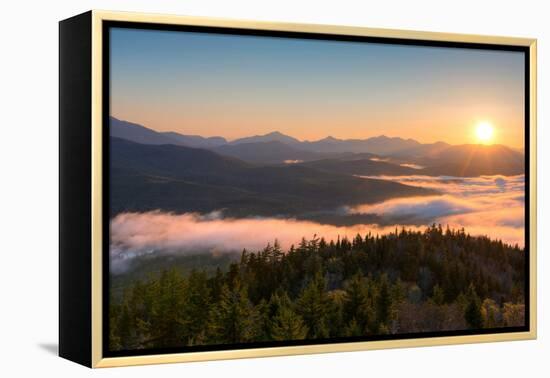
[(484, 132)]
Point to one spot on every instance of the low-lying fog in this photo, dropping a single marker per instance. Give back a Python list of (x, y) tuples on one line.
[(485, 205)]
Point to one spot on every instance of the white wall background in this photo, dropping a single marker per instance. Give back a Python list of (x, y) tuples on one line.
[(29, 174)]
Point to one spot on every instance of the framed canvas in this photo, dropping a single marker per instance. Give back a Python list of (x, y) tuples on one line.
[(235, 189)]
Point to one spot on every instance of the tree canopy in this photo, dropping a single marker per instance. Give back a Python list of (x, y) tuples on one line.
[(402, 282)]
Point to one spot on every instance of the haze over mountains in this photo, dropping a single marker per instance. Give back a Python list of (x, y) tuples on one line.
[(279, 176), (141, 134), (371, 156), (381, 145), (184, 179)]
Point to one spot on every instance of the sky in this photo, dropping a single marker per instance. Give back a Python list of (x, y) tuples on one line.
[(237, 86)]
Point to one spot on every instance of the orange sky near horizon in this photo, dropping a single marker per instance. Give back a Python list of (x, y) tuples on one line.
[(507, 131)]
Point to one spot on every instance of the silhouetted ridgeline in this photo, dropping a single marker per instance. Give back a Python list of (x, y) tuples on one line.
[(398, 283)]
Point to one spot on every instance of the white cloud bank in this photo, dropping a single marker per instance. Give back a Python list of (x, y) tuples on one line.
[(135, 234), (487, 205)]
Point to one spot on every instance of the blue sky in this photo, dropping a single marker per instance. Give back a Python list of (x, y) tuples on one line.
[(233, 86)]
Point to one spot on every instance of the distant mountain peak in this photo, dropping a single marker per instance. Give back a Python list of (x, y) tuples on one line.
[(141, 134), (276, 133), (272, 136), (383, 137)]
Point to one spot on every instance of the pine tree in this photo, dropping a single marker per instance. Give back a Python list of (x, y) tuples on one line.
[(312, 306), (358, 305), (472, 312), (287, 325), (384, 302), (234, 318), (125, 327), (263, 321), (196, 308), (166, 323), (216, 284)]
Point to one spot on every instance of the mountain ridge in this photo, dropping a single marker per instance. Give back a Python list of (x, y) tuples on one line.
[(437, 158), (178, 138), (185, 179)]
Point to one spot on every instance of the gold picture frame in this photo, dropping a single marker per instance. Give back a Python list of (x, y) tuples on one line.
[(93, 28)]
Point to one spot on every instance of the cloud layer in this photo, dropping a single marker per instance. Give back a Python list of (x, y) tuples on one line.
[(487, 205), (138, 234)]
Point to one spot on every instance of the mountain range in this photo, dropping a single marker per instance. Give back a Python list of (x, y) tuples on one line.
[(371, 156), (381, 145), (275, 175), (141, 134), (184, 179)]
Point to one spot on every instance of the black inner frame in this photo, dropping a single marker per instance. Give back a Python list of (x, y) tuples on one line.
[(107, 25)]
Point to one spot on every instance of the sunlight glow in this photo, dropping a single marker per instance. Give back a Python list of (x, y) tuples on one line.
[(484, 132)]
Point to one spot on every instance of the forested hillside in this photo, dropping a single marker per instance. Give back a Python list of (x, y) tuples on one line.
[(182, 179), (402, 282)]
